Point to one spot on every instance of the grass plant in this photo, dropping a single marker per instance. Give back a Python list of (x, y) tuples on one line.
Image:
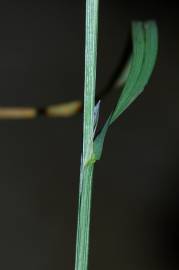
[(140, 66)]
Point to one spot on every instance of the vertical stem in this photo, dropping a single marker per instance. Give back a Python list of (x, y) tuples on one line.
[(87, 164), (90, 72)]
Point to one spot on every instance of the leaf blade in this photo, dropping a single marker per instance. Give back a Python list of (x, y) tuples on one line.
[(145, 48), (138, 36)]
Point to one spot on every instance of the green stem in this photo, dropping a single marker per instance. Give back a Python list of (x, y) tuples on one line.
[(87, 162), (90, 73), (82, 245)]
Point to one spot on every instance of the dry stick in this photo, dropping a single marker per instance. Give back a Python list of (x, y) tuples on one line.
[(66, 109), (18, 112), (87, 161)]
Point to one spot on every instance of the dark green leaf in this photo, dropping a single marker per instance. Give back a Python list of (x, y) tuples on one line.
[(145, 45)]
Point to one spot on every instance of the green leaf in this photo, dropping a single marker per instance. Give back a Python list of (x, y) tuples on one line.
[(138, 36), (99, 140), (145, 46)]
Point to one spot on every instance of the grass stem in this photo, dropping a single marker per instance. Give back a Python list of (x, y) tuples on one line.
[(87, 164)]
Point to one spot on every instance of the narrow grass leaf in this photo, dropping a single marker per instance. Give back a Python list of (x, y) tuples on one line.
[(145, 46)]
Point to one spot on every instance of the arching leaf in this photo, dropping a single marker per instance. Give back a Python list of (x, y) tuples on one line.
[(145, 46)]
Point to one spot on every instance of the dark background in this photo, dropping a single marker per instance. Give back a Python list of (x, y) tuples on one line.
[(135, 214)]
